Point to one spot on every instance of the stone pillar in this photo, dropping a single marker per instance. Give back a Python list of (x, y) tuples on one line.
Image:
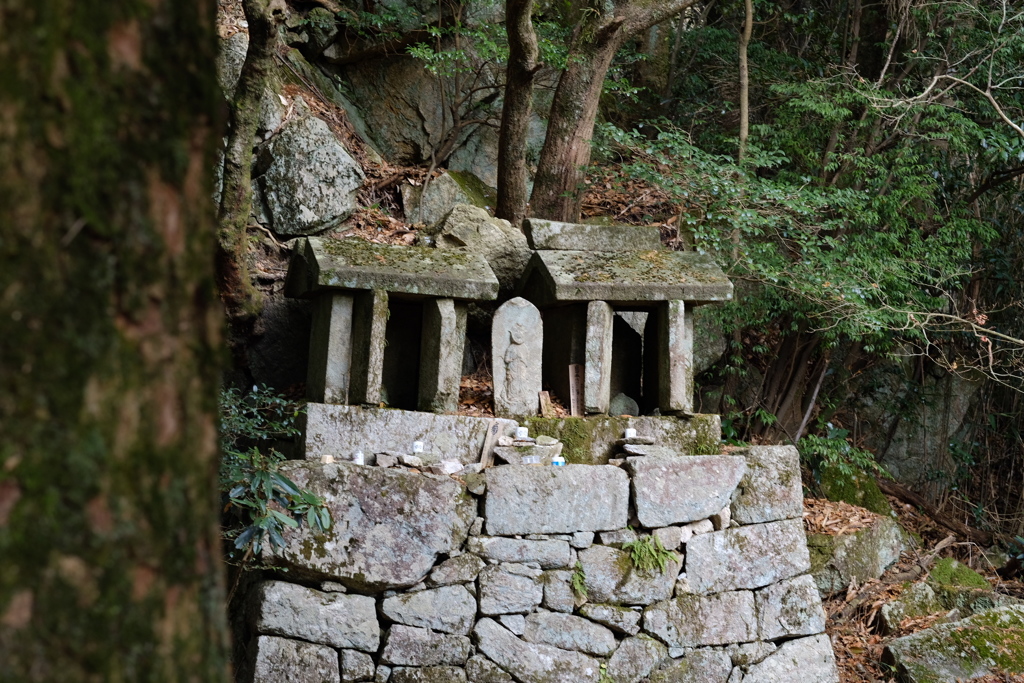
[(330, 349), (598, 364), (675, 357), (517, 341), (369, 325), (441, 347)]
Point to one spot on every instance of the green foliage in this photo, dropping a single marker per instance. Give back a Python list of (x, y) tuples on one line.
[(834, 453), (647, 554), (579, 581), (259, 500)]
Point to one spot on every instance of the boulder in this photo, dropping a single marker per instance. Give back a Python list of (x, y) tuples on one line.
[(961, 650), (808, 660), (282, 659), (311, 180), (388, 526), (522, 499), (635, 659), (336, 619), (509, 589), (746, 557), (532, 662), (677, 490), (411, 646), (428, 203), (569, 632), (464, 226), (866, 554), (917, 600), (609, 577), (449, 609), (771, 488), (790, 608), (696, 620)]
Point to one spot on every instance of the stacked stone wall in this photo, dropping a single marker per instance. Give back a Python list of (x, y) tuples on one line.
[(529, 574)]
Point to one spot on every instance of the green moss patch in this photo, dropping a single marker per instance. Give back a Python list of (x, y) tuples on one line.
[(855, 488), (949, 572)]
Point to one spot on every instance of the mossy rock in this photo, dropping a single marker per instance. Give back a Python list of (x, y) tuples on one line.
[(855, 488), (949, 572)]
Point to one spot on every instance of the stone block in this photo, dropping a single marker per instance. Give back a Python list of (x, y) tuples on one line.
[(635, 659), (674, 356), (449, 609), (339, 620), (533, 662), (320, 263), (597, 369), (790, 608), (370, 547), (330, 349), (517, 335), (545, 234), (429, 674), (618, 537), (621, 619), (699, 666), (860, 556), (670, 537), (670, 491), (369, 330), (516, 623), (610, 577), (356, 667), (548, 554), (746, 557), (582, 539), (342, 429), (461, 569), (522, 499), (513, 455), (569, 632), (282, 659), (808, 660), (411, 646), (503, 592), (654, 451), (771, 488), (441, 347), (697, 620), (479, 669), (746, 654), (558, 593)]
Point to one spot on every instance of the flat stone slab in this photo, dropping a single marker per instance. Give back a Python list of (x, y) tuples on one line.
[(525, 499), (550, 554), (961, 650), (676, 490), (696, 620), (533, 662), (807, 660), (635, 659), (283, 659), (411, 646), (509, 589), (388, 526), (338, 620), (611, 578), (615, 617), (746, 557), (340, 430), (544, 234), (699, 666), (624, 277), (449, 609), (320, 263), (569, 632), (771, 488)]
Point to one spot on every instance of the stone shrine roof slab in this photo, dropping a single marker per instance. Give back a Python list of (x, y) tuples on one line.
[(624, 277), (544, 234), (320, 263)]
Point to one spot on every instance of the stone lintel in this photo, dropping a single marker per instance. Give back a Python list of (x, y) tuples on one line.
[(544, 234), (323, 263)]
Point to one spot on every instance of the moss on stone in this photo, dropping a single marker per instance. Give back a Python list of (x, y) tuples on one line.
[(707, 435), (855, 488), (575, 433), (949, 572), (820, 547), (479, 193)]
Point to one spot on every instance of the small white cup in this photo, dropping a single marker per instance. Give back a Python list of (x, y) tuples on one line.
[(358, 458), (326, 459), (522, 432), (630, 433), (417, 446)]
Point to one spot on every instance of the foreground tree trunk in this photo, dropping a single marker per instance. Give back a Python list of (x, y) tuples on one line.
[(557, 191), (109, 360), (515, 112)]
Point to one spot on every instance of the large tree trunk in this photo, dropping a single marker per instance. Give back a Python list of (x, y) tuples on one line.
[(557, 189), (109, 362), (515, 112)]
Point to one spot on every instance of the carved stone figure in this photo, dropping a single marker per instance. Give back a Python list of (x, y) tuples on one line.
[(517, 335)]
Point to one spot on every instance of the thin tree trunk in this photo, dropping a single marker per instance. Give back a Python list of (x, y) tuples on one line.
[(748, 25), (109, 361), (515, 113), (242, 300)]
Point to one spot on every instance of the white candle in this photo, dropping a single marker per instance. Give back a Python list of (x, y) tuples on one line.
[(417, 446), (358, 458), (326, 459), (630, 433)]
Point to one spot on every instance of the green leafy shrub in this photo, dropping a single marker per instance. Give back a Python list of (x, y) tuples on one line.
[(259, 501), (833, 452), (579, 581), (647, 554)]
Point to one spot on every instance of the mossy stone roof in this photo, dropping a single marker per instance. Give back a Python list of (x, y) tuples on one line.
[(320, 264)]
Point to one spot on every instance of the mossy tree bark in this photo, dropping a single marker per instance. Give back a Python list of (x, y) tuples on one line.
[(557, 191), (242, 300), (109, 361)]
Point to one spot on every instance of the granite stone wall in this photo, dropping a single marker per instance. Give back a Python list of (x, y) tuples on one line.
[(537, 574)]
